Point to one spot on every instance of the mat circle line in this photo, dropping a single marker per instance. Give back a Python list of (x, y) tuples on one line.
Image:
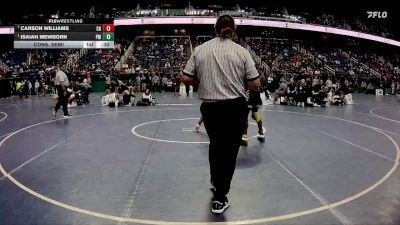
[(372, 112), (133, 130), (5, 116), (238, 222)]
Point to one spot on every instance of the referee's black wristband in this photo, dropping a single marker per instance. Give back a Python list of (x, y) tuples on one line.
[(254, 78), (189, 75)]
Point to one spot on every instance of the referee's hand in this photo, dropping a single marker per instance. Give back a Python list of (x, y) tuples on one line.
[(179, 78), (188, 80)]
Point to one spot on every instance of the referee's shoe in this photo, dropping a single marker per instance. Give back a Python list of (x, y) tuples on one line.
[(219, 207)]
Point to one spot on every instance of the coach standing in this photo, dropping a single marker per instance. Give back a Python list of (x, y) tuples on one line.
[(222, 68), (61, 83)]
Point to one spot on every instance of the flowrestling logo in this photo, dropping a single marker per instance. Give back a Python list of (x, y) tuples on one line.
[(377, 14)]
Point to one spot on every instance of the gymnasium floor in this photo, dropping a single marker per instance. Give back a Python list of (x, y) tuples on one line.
[(144, 165)]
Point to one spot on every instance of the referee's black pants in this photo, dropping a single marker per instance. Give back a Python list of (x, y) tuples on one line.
[(62, 100), (225, 122)]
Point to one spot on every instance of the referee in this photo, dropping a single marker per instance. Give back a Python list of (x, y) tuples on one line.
[(222, 68), (62, 84)]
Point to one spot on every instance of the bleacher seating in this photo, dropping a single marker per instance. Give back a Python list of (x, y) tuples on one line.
[(164, 54), (102, 61)]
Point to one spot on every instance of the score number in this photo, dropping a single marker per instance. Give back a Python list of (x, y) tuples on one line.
[(108, 27), (108, 32), (108, 36)]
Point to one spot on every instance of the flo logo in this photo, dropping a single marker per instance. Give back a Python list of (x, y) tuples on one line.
[(377, 14)]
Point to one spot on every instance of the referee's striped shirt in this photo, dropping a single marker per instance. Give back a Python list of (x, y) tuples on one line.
[(222, 66)]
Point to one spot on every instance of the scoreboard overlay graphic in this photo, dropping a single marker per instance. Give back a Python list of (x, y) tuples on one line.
[(65, 34)]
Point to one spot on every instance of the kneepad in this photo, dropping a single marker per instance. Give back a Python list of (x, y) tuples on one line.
[(256, 116)]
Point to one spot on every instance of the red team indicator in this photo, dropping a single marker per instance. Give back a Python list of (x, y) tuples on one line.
[(108, 27)]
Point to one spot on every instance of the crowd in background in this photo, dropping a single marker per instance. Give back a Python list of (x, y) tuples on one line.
[(119, 93), (359, 23), (156, 61), (39, 87), (101, 61), (22, 63), (289, 59), (352, 22), (163, 57), (317, 92), (158, 55)]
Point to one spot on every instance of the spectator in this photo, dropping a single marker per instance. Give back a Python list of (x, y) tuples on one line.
[(107, 81), (156, 83), (147, 99), (37, 86)]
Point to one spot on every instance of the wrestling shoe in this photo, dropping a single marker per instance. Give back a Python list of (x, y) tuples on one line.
[(261, 136), (196, 128), (54, 112), (244, 140)]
